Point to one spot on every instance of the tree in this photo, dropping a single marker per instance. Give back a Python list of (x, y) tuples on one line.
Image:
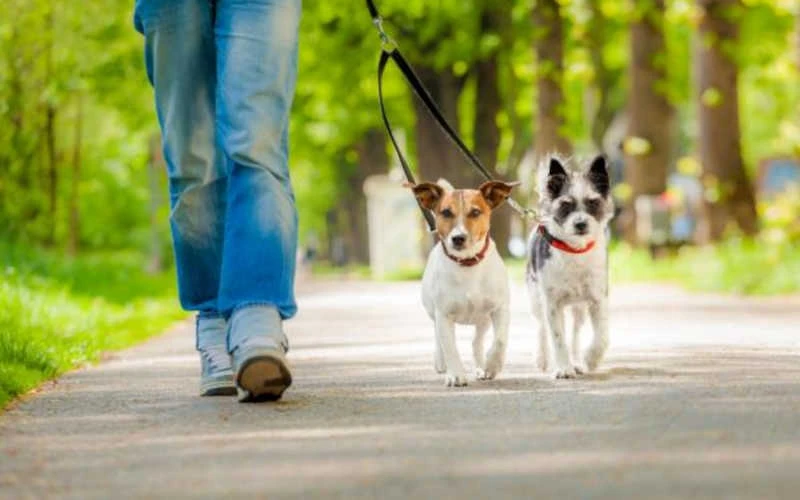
[(606, 78), (488, 104), (549, 48), (648, 144), (729, 194), (372, 159)]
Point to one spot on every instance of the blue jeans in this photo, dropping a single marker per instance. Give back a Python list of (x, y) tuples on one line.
[(224, 73)]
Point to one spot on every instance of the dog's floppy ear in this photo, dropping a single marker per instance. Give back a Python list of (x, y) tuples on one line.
[(427, 193), (556, 177), (598, 175), (496, 192)]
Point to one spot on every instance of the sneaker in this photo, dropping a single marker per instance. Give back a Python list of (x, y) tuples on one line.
[(216, 369), (216, 377), (261, 371)]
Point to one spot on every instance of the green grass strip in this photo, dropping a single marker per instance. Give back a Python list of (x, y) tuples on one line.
[(58, 313)]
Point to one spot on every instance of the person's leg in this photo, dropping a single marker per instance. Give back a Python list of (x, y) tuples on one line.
[(256, 44), (180, 58)]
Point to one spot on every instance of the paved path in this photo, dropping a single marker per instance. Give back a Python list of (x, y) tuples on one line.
[(699, 397)]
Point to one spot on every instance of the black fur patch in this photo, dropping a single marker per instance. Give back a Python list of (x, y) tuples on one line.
[(598, 176), (539, 253), (594, 207), (556, 178), (556, 184), (563, 210)]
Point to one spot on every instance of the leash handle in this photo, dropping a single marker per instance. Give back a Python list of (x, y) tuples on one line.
[(390, 50)]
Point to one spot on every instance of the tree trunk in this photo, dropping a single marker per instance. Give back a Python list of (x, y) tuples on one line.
[(604, 80), (486, 133), (73, 242), (647, 166), (372, 159), (729, 192), (549, 48), (50, 133), (437, 156)]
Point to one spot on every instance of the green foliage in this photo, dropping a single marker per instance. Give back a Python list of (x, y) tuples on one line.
[(58, 313), (737, 265), (55, 58)]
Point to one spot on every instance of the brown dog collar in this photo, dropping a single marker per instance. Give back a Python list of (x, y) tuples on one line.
[(469, 261)]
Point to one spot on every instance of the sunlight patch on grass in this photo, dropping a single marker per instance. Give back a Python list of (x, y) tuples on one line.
[(737, 265), (58, 313)]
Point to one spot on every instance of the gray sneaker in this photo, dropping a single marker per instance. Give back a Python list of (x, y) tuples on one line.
[(216, 370), (262, 373), (216, 377)]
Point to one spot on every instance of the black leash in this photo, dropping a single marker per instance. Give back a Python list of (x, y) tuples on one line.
[(390, 51)]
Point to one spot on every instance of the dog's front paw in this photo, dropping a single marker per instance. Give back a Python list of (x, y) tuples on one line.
[(543, 362), (438, 360), (592, 358), (455, 379), (485, 374), (494, 363), (567, 371)]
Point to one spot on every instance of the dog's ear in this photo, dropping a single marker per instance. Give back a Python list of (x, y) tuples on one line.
[(598, 175), (427, 194), (556, 177), (496, 192)]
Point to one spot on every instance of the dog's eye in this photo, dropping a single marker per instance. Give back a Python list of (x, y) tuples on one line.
[(566, 206), (592, 205), (474, 213), (447, 213)]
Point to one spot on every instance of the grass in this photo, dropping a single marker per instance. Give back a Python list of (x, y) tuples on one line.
[(737, 265), (58, 313)]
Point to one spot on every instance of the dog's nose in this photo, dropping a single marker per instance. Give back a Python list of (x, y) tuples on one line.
[(581, 227), (458, 240)]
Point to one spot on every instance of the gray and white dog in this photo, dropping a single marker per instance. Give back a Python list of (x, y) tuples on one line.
[(567, 266)]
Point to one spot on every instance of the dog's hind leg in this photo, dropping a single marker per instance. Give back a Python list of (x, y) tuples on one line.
[(578, 319), (478, 347), (497, 354), (543, 354), (543, 348), (598, 310), (446, 337), (438, 357), (554, 314)]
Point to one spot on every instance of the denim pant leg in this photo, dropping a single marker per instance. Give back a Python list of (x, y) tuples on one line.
[(180, 57), (256, 70)]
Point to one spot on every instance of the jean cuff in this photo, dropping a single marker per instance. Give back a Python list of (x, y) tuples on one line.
[(255, 324), (210, 330)]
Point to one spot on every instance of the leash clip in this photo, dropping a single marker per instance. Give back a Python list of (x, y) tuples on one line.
[(525, 213), (387, 43)]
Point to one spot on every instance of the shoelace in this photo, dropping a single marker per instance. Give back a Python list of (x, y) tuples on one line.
[(217, 357)]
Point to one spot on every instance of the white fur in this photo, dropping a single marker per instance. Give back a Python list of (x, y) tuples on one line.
[(477, 295), (578, 283), (574, 282)]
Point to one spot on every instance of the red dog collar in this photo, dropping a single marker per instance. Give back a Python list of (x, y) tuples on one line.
[(469, 261), (563, 245)]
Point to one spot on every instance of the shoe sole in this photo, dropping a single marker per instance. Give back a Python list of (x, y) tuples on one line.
[(218, 388), (262, 378)]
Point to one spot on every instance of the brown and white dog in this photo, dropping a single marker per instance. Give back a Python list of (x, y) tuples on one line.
[(465, 280)]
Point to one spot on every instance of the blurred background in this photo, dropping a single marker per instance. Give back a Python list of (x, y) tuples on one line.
[(696, 103)]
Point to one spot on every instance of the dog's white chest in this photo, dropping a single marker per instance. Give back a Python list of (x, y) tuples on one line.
[(573, 278), (465, 295)]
